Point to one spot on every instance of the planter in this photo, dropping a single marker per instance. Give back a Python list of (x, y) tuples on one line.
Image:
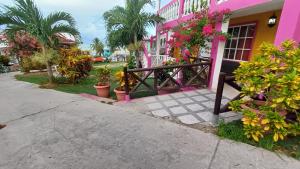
[(168, 89), (121, 95), (102, 91)]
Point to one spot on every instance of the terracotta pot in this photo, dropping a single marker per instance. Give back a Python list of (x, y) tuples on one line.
[(167, 90), (102, 91), (121, 95)]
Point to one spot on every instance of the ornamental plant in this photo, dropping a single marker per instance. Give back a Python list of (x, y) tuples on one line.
[(272, 81), (74, 64), (103, 75), (196, 33), (120, 78)]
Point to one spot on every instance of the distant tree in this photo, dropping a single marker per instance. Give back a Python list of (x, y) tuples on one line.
[(127, 25), (25, 16), (97, 46)]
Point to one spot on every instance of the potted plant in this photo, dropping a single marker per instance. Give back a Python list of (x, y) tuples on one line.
[(120, 89), (272, 82), (103, 85)]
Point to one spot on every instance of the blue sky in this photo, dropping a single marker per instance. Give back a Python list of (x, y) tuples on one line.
[(88, 14)]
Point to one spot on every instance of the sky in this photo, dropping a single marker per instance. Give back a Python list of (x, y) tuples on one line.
[(87, 13)]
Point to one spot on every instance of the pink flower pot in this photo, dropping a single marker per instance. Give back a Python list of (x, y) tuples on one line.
[(121, 95), (102, 91)]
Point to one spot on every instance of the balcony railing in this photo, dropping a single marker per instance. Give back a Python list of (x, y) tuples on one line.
[(179, 8), (171, 11)]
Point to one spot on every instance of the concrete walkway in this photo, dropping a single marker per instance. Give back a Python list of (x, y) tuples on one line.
[(188, 107), (47, 129)]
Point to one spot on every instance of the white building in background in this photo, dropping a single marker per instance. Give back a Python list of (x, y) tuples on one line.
[(119, 55)]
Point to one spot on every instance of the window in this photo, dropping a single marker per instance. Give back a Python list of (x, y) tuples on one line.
[(239, 45)]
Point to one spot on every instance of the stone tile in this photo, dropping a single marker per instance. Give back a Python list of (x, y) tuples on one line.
[(177, 95), (203, 91), (191, 93), (178, 110), (161, 113), (149, 99), (164, 97), (206, 116), (195, 107), (170, 103), (211, 96), (188, 119), (229, 114), (200, 98), (185, 100), (231, 119), (154, 106), (209, 104)]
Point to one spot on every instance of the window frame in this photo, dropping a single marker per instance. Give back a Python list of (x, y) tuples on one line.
[(238, 38)]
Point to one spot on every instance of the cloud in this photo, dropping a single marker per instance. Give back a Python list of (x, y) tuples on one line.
[(88, 14)]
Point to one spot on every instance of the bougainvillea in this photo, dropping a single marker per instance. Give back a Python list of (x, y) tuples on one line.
[(195, 34)]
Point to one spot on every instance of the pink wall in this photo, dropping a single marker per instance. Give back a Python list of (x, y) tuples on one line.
[(289, 26), (214, 55)]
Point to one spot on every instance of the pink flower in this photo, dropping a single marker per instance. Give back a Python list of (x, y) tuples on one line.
[(177, 60), (187, 53), (185, 58), (222, 38), (207, 29)]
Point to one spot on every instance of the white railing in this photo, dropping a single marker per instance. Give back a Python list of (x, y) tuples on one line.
[(159, 60), (221, 1), (171, 11), (191, 6), (177, 8)]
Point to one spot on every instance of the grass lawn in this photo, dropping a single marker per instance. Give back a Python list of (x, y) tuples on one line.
[(234, 131), (85, 85)]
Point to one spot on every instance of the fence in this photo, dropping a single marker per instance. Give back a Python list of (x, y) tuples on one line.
[(224, 78), (157, 79)]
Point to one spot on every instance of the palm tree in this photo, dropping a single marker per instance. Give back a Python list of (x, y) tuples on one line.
[(97, 46), (27, 18), (128, 25)]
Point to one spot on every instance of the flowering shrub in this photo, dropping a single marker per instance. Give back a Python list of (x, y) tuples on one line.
[(74, 65), (274, 76), (195, 34), (120, 78)]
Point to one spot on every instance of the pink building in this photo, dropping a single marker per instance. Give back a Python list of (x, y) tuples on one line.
[(252, 22)]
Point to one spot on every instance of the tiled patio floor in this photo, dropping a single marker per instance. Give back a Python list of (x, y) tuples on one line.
[(190, 107)]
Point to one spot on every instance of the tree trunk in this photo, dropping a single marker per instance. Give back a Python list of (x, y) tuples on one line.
[(50, 72), (49, 67), (137, 54)]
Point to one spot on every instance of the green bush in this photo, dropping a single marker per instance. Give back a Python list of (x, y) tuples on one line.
[(27, 64), (274, 76), (131, 63), (75, 68), (4, 60)]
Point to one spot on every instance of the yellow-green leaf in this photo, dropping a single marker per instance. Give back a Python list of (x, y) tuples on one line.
[(275, 137), (265, 121)]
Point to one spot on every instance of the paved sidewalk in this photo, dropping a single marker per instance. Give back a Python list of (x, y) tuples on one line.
[(189, 107), (47, 129)]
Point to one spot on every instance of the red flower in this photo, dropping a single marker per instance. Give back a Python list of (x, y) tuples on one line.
[(177, 60), (207, 29), (222, 38)]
